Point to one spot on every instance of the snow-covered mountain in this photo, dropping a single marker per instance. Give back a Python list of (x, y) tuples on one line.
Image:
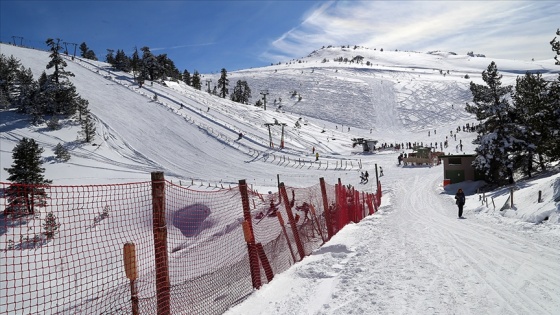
[(413, 257)]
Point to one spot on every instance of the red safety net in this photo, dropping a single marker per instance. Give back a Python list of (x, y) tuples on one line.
[(158, 248)]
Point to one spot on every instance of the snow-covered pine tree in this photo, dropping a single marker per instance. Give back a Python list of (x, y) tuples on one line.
[(16, 84), (9, 67), (556, 46), (536, 120), (223, 83), (496, 137), (27, 175), (150, 64)]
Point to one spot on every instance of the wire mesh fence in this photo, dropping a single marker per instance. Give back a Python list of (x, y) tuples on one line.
[(155, 247)]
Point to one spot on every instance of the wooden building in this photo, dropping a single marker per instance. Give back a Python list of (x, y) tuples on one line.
[(458, 168)]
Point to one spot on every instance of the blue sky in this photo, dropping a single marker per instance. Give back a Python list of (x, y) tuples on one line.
[(210, 35)]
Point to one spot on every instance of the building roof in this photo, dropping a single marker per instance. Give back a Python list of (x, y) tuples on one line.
[(456, 155)]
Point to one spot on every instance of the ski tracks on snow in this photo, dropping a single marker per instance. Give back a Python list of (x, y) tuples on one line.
[(479, 267)]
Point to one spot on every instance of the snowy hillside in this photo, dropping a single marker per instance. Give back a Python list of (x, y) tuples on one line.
[(413, 257)]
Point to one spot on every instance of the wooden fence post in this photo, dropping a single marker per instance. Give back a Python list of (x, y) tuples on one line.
[(131, 273), (292, 221), (326, 210), (160, 244), (249, 236)]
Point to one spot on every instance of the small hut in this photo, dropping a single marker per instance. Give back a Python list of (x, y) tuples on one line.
[(458, 168)]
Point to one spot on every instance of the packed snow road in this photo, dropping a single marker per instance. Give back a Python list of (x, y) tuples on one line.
[(416, 257), (471, 265)]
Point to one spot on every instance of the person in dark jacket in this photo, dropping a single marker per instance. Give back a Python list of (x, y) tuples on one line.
[(460, 201)]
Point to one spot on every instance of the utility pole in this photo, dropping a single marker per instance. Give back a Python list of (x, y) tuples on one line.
[(65, 48), (264, 93), (208, 84)]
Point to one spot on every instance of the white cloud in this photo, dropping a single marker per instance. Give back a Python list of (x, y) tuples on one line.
[(503, 29)]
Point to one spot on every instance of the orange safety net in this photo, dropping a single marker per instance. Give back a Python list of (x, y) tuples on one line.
[(156, 247)]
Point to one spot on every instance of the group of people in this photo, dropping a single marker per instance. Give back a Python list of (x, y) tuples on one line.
[(401, 157), (364, 177)]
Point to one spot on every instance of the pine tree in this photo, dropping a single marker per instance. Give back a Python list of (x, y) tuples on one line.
[(87, 53), (167, 68), (26, 173), (495, 138), (83, 49), (27, 89), (43, 96), (223, 83), (552, 143), (61, 153), (122, 62), (60, 95), (135, 62), (247, 93), (196, 83), (57, 62), (109, 57), (536, 119), (241, 92), (83, 109), (556, 46), (187, 77), (16, 84), (9, 68), (88, 128), (554, 101), (150, 65), (51, 225)]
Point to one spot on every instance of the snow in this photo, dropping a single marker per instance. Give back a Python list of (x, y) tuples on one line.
[(412, 257)]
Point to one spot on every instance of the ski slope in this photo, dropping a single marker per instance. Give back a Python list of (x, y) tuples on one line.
[(413, 257)]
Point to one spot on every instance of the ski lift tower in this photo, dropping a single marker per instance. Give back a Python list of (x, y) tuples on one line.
[(264, 93), (208, 84), (276, 123)]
